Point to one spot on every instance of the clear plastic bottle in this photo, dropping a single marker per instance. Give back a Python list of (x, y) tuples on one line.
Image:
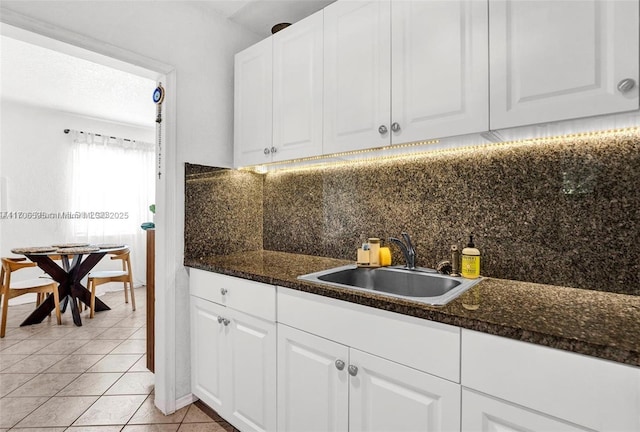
[(374, 246)]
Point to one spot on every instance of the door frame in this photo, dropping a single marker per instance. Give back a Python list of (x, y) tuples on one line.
[(168, 257)]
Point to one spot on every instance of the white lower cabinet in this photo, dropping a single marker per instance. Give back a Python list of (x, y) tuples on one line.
[(387, 396), (550, 389), (482, 413), (233, 361), (329, 365), (313, 393), (325, 384), (207, 350)]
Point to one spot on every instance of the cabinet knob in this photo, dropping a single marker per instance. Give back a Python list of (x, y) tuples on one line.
[(626, 85), (353, 370), (382, 129), (223, 291), (225, 322), (339, 364), (273, 150), (220, 320), (266, 151), (395, 126)]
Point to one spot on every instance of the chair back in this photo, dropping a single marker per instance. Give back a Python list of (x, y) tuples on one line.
[(124, 255), (10, 265)]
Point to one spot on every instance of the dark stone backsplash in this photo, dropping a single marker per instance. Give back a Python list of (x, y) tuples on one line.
[(223, 211), (558, 211)]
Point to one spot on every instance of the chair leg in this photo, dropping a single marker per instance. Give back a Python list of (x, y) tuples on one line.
[(133, 297), (5, 306), (92, 306), (56, 302), (126, 294)]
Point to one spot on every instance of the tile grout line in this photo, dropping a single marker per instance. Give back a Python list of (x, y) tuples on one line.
[(128, 323)]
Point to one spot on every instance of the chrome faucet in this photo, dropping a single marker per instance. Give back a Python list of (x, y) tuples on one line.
[(407, 250)]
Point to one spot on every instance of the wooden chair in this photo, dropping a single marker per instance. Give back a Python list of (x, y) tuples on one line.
[(11, 290), (105, 276)]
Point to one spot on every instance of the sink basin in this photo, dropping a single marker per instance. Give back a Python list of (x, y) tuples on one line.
[(422, 285)]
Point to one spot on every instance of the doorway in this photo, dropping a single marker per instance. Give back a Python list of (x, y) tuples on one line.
[(30, 31)]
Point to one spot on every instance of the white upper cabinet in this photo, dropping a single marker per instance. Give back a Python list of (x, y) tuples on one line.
[(297, 89), (357, 96), (440, 84), (253, 122), (363, 74), (404, 71), (556, 60)]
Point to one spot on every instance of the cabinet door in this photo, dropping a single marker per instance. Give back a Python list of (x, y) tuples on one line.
[(251, 403), (253, 105), (387, 396), (553, 381), (484, 414), (297, 89), (440, 68), (356, 75), (208, 351), (559, 59), (312, 388)]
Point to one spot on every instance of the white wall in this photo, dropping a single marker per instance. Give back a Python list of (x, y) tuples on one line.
[(34, 165), (201, 47)]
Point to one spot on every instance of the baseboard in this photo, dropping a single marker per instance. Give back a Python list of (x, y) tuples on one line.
[(185, 401)]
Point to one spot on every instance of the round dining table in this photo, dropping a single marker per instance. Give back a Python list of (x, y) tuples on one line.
[(77, 261)]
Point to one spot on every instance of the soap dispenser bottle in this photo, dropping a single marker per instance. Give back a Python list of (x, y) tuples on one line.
[(470, 261)]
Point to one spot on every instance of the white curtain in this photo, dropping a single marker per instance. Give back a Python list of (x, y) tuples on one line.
[(112, 186)]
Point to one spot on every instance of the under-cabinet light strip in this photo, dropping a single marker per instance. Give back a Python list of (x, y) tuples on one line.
[(307, 163)]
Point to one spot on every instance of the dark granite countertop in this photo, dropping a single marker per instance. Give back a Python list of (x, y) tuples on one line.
[(594, 323)]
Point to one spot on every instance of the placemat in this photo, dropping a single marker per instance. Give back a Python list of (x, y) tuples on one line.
[(69, 245), (36, 249), (110, 245), (77, 250)]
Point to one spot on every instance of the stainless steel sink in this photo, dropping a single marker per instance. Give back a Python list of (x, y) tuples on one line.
[(422, 285)]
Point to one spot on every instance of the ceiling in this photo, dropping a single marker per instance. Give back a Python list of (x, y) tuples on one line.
[(259, 16), (35, 75), (39, 76)]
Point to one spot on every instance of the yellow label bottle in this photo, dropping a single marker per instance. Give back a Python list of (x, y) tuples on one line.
[(470, 263)]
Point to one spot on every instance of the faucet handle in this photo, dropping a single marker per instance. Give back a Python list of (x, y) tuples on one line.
[(407, 240)]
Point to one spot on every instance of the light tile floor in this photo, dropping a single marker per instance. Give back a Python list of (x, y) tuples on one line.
[(85, 379)]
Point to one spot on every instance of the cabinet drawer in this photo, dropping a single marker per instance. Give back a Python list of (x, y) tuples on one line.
[(482, 413), (424, 345), (250, 297), (586, 391)]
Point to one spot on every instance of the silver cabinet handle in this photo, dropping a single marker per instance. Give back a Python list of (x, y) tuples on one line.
[(382, 129), (223, 291), (225, 322), (339, 364), (220, 319), (273, 150), (266, 151), (353, 370), (395, 126), (626, 85)]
